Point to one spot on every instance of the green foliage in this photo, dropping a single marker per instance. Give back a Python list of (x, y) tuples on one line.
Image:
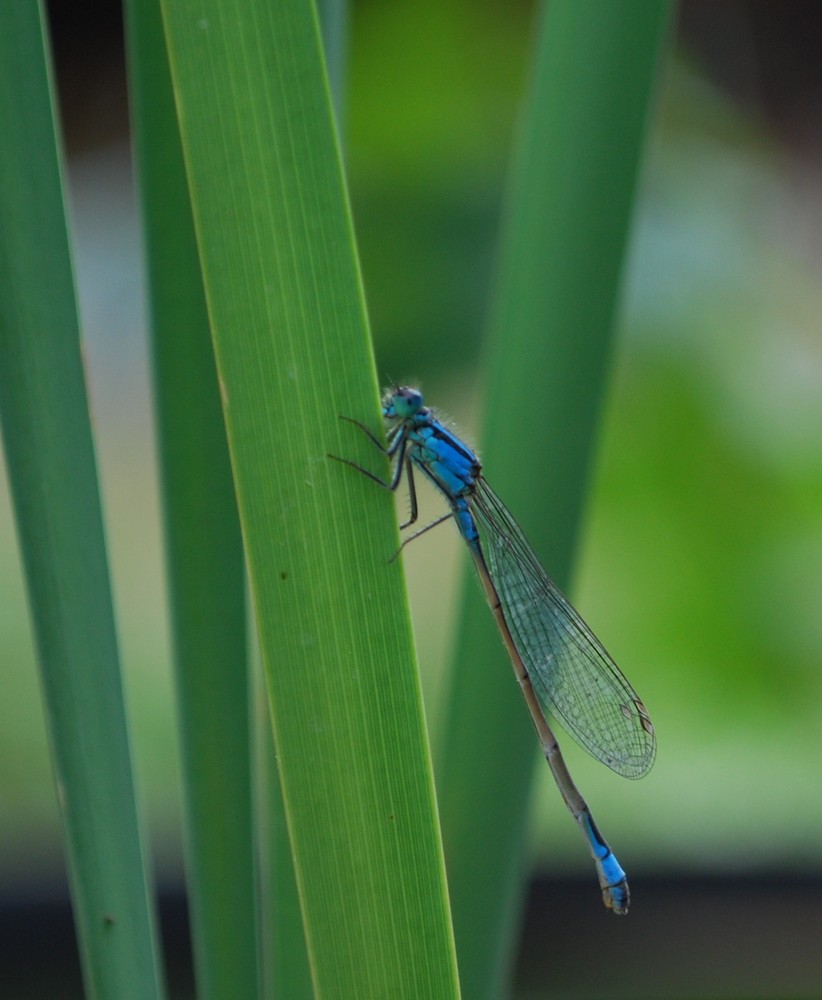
[(568, 211), (282, 298), (204, 548), (287, 317), (53, 477)]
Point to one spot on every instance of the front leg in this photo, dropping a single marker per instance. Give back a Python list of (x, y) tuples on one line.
[(396, 446), (395, 436), (369, 434)]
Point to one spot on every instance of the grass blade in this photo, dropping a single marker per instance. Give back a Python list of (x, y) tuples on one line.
[(203, 544), (283, 961), (288, 320), (568, 211), (53, 476)]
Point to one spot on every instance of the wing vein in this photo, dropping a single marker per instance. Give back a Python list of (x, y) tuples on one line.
[(576, 680)]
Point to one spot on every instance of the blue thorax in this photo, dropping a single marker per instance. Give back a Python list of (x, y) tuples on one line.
[(440, 455)]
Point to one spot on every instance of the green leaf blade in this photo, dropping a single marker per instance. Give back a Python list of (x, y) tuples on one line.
[(52, 472), (569, 202), (288, 320), (205, 561)]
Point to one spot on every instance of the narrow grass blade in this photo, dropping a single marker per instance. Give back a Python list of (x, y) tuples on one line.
[(568, 212), (284, 969), (54, 482), (288, 321), (203, 544)]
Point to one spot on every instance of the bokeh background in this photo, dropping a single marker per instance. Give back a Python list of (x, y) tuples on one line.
[(701, 559)]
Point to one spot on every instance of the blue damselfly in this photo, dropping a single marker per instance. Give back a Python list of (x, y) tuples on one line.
[(562, 668)]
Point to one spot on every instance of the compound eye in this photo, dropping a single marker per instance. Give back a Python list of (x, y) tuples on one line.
[(412, 397)]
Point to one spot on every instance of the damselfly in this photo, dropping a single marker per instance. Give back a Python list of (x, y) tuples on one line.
[(562, 668)]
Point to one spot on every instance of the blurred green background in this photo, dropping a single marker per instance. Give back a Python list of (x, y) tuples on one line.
[(701, 561)]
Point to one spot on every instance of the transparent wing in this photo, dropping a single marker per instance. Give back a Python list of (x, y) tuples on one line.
[(573, 675)]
